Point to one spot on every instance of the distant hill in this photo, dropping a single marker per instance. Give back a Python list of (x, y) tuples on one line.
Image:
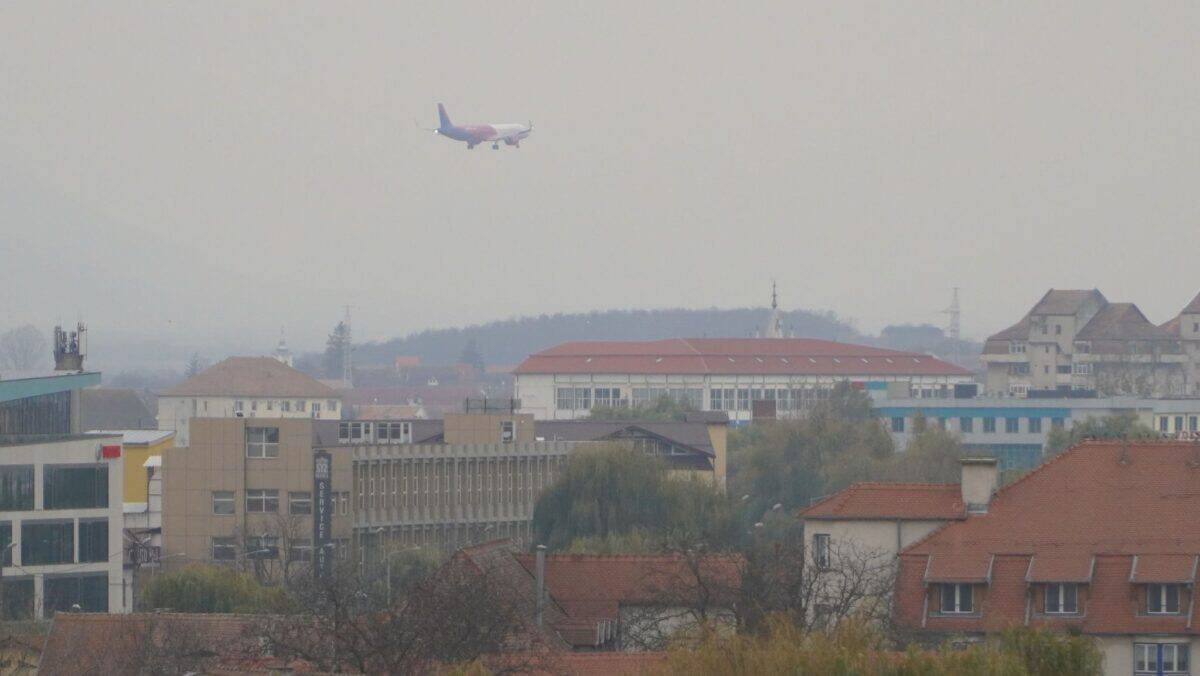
[(508, 342)]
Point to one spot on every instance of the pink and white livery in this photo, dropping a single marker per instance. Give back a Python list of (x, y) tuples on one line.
[(474, 134)]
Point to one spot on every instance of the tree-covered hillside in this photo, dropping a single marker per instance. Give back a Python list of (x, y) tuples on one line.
[(511, 340)]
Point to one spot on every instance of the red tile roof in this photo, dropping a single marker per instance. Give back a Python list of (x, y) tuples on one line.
[(1070, 567), (890, 501), (732, 356), (251, 377), (591, 588), (1110, 500)]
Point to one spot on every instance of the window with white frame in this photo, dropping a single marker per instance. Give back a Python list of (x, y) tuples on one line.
[(1062, 598), (1160, 658), (262, 442), (1081, 369), (316, 409), (820, 555), (238, 406), (331, 405), (300, 549), (222, 502), (564, 398), (285, 406), (1162, 599), (957, 598), (300, 405), (507, 433), (262, 500), (300, 502), (1016, 347)]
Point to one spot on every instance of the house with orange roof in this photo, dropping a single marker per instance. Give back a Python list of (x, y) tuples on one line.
[(1103, 540)]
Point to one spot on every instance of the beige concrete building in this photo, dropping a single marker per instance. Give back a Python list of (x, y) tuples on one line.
[(443, 483), (243, 488), (1074, 340), (246, 387)]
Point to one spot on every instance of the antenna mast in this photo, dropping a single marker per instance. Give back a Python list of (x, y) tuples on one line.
[(954, 330)]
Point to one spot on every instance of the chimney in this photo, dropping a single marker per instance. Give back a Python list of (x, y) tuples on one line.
[(541, 582), (979, 479)]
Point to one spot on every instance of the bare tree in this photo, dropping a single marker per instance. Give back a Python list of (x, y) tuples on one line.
[(815, 590), (456, 615), (23, 348)]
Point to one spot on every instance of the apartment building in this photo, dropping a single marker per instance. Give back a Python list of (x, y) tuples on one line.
[(245, 387), (1078, 340), (1102, 540), (778, 376)]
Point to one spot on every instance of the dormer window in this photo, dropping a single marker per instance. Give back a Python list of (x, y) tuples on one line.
[(1162, 599), (957, 598), (1062, 598)]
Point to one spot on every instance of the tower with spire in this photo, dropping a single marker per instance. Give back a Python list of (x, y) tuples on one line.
[(282, 352), (774, 327)]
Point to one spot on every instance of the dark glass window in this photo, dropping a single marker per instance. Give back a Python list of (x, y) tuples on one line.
[(16, 487), (989, 425), (1035, 425), (47, 542), (93, 541), (89, 592), (224, 549), (5, 541), (66, 487), (966, 424), (17, 601), (1012, 425), (262, 442)]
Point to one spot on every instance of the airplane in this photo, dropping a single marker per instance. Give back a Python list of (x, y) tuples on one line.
[(474, 134)]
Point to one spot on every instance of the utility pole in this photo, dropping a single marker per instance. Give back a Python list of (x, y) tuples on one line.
[(954, 330)]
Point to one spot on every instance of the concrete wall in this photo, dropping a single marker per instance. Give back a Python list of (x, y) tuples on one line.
[(480, 428), (136, 479), (175, 412), (76, 451)]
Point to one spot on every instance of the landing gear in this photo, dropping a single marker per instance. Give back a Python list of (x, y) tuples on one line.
[(495, 146), (470, 146)]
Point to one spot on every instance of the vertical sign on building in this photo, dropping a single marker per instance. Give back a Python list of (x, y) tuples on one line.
[(322, 514)]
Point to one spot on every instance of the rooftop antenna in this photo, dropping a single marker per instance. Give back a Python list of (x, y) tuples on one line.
[(954, 329)]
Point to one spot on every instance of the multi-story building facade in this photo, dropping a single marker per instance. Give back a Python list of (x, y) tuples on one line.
[(1078, 340), (441, 483), (1012, 430), (245, 387), (61, 524), (734, 375), (243, 490), (1103, 541)]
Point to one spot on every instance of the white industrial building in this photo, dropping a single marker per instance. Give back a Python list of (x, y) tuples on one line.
[(734, 375)]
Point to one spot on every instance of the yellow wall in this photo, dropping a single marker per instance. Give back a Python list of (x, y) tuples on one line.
[(135, 474)]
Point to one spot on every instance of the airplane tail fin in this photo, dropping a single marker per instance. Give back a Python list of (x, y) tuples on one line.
[(443, 118)]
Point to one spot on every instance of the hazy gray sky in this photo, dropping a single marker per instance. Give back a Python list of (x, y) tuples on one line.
[(216, 171)]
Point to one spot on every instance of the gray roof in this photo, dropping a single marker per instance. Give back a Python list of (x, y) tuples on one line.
[(114, 409), (1065, 301), (693, 435)]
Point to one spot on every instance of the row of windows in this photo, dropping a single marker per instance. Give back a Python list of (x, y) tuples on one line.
[(53, 542), (63, 487), (1059, 598), (266, 547), (62, 593), (266, 501), (1160, 658), (421, 484), (368, 432), (966, 424), (1165, 423), (285, 405)]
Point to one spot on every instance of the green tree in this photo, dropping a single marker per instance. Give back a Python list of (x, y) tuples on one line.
[(932, 455), (1124, 425), (336, 347), (793, 462), (212, 589), (613, 491), (663, 409)]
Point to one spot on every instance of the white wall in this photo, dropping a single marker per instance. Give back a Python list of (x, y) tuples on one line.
[(1118, 651), (70, 452), (870, 535), (175, 412)]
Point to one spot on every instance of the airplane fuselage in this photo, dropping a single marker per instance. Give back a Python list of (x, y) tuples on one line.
[(474, 134)]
